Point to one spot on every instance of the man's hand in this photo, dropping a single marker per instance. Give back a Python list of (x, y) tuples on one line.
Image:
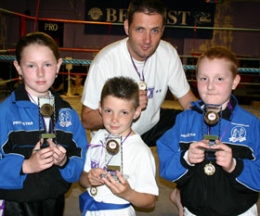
[(143, 99)]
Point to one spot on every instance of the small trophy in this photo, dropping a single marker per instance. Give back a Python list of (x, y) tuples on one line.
[(113, 159), (114, 155), (47, 109), (211, 117)]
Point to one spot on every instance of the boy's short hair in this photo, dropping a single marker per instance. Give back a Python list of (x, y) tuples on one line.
[(121, 87), (147, 7), (219, 52)]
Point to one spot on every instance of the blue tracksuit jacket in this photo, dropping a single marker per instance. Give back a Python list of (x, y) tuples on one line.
[(20, 131), (222, 193)]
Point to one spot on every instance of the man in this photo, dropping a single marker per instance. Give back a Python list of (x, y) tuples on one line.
[(144, 57)]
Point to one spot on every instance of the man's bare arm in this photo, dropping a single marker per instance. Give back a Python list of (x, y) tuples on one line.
[(186, 100), (91, 119)]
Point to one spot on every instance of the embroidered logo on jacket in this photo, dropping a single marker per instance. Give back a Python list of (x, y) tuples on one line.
[(22, 123), (238, 134), (65, 118)]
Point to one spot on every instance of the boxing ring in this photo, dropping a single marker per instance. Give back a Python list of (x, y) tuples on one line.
[(247, 88)]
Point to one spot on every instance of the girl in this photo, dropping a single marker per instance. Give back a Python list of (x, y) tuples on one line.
[(42, 139)]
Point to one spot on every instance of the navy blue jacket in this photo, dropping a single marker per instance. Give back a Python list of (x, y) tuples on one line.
[(20, 129)]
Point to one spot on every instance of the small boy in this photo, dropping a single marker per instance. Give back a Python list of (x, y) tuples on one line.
[(113, 192), (212, 152)]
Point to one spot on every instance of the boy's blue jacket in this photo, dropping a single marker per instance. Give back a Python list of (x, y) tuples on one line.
[(222, 193), (19, 133)]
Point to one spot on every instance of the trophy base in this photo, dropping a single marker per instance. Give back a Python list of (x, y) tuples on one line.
[(211, 139)]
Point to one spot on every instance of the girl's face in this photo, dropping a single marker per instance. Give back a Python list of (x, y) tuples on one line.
[(38, 68), (215, 81), (118, 114)]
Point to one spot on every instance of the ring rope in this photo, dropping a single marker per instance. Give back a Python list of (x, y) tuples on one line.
[(88, 62)]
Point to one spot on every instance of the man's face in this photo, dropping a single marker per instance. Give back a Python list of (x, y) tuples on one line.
[(144, 33)]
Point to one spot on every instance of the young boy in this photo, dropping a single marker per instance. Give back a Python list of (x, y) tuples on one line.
[(108, 192), (212, 152), (42, 141)]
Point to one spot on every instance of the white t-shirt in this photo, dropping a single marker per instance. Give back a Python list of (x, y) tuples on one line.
[(138, 165), (162, 70)]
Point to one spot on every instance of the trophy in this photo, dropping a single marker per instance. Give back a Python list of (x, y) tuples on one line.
[(113, 159), (114, 155), (47, 109), (211, 117)]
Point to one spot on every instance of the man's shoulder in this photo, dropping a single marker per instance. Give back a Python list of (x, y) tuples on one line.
[(166, 48), (165, 44), (112, 48)]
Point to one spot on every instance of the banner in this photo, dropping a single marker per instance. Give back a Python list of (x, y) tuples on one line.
[(54, 29), (180, 14)]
